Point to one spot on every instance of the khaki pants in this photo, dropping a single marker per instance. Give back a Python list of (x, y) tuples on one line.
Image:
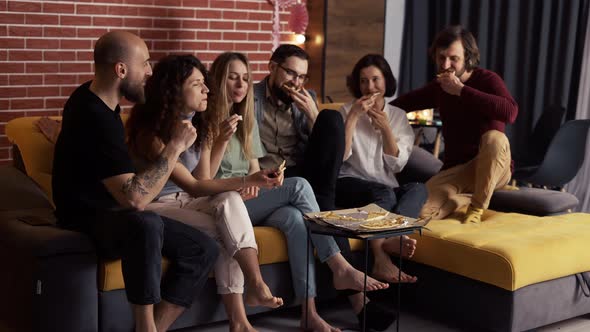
[(473, 182), (223, 217)]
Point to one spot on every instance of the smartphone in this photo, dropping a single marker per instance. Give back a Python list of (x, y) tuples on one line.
[(37, 220)]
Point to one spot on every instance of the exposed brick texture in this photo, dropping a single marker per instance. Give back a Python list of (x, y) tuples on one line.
[(46, 46)]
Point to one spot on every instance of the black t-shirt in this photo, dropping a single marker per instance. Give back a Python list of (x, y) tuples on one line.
[(90, 148)]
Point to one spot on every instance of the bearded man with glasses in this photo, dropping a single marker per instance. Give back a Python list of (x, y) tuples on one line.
[(293, 129)]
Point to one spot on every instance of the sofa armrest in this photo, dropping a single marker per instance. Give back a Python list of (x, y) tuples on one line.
[(49, 283), (22, 197), (39, 241), (20, 192), (50, 280)]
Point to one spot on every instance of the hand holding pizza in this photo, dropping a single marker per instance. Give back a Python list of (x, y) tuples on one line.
[(228, 127), (450, 83), (305, 103)]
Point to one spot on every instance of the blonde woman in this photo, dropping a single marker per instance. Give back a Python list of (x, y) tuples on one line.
[(235, 153)]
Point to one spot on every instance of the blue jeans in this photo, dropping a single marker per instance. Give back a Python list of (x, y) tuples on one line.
[(283, 208), (406, 200)]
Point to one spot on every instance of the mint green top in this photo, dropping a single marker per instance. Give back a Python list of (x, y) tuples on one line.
[(234, 163)]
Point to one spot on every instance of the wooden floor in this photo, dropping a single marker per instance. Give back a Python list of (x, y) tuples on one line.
[(341, 316)]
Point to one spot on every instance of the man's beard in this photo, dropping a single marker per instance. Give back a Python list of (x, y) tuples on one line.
[(132, 91), (460, 72), (281, 95)]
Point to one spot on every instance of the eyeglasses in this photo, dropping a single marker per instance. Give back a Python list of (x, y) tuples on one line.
[(293, 74)]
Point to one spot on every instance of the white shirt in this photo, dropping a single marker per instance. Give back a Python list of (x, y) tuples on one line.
[(366, 159)]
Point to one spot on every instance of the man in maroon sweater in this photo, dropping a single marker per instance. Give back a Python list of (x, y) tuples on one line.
[(474, 106)]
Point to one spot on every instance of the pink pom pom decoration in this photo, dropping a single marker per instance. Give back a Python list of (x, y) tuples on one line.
[(299, 18)]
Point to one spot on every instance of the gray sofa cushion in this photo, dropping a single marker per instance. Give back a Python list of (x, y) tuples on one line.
[(421, 166), (19, 192), (539, 202)]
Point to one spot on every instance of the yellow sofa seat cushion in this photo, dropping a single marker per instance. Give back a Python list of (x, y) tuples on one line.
[(508, 250), (272, 248)]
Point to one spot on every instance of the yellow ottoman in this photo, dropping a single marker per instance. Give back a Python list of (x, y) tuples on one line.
[(512, 272)]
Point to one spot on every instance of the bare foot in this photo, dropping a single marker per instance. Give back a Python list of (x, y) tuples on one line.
[(315, 323), (385, 270), (391, 246), (241, 327), (260, 295), (351, 278)]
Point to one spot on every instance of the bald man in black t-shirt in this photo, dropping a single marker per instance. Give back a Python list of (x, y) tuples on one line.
[(97, 190)]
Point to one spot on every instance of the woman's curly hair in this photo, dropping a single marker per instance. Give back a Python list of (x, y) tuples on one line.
[(163, 107)]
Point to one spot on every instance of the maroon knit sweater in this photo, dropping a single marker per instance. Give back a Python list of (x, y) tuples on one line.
[(485, 104)]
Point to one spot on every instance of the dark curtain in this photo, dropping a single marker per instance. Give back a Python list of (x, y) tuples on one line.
[(536, 46)]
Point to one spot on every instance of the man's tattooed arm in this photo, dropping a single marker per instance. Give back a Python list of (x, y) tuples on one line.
[(148, 179)]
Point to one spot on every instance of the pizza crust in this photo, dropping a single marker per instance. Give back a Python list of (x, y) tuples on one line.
[(376, 216)]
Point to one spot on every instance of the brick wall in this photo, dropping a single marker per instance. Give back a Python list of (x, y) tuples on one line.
[(46, 46)]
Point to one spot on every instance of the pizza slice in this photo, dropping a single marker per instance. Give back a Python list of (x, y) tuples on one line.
[(282, 166), (382, 224), (333, 216), (336, 216), (449, 70), (290, 87)]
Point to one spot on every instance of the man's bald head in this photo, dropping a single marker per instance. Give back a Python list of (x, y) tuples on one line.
[(113, 47), (122, 61)]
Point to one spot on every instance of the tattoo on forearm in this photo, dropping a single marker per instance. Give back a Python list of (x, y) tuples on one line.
[(141, 183), (134, 185), (155, 173)]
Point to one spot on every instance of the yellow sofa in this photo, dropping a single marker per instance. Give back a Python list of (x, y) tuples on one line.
[(35, 154), (512, 272)]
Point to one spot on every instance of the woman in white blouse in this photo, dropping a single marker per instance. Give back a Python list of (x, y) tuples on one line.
[(379, 141)]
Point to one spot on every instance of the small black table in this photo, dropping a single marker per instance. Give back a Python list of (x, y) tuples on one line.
[(326, 229)]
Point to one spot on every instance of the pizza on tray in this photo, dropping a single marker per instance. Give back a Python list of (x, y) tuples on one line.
[(353, 217)]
